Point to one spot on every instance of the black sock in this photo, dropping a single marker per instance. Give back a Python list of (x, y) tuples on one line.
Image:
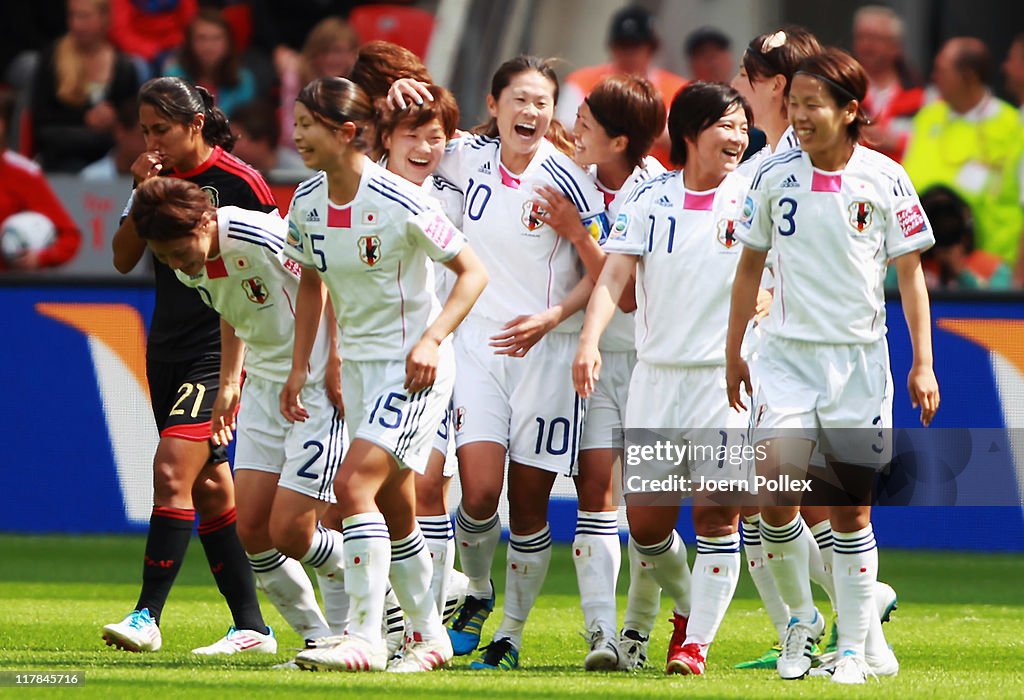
[(170, 529), (231, 569)]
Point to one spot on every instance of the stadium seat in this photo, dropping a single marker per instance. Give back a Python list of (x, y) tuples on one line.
[(410, 27)]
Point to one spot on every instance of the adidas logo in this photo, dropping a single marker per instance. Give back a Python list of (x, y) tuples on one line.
[(485, 168), (664, 201), (790, 181), (312, 216)]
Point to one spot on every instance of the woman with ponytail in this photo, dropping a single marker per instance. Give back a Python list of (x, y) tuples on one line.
[(188, 137)]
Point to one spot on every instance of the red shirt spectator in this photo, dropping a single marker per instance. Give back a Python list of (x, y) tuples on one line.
[(149, 28), (23, 188)]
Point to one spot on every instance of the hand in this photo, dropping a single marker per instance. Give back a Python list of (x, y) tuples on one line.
[(407, 89), (560, 214), (101, 117), (737, 375), (421, 365), (924, 392), (27, 260), (522, 333), (222, 422), (332, 382), (586, 369), (764, 303), (147, 165), (291, 403)]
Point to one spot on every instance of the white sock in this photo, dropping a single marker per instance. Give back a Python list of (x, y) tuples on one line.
[(440, 538), (288, 587), (327, 556), (667, 562), (644, 597), (477, 542), (528, 560), (778, 611), (820, 561), (716, 570), (597, 556), (411, 572), (367, 562), (856, 570), (787, 554), (455, 589)]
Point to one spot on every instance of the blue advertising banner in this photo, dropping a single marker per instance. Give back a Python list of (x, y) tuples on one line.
[(79, 434)]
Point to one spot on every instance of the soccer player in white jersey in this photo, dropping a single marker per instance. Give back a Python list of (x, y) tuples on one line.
[(763, 79), (614, 129), (513, 392), (413, 141), (676, 233), (835, 213), (283, 472), (368, 236)]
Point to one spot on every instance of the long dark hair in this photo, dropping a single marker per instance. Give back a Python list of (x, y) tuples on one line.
[(778, 53), (508, 70), (695, 108), (334, 101), (226, 72), (180, 101)]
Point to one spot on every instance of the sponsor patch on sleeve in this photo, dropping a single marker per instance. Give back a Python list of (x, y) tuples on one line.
[(911, 220), (294, 238), (749, 209), (440, 230), (598, 228), (618, 231)]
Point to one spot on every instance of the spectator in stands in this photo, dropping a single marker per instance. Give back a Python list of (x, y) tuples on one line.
[(330, 49), (1013, 68), (23, 188), (151, 29), (632, 43), (78, 80), (129, 144), (208, 58), (954, 263), (972, 142), (709, 52), (894, 90), (258, 132)]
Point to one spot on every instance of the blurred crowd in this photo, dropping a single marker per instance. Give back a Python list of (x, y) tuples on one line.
[(72, 76)]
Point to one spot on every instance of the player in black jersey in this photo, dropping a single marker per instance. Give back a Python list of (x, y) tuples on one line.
[(188, 137)]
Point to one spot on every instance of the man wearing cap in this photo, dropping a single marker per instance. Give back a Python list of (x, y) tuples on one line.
[(632, 43)]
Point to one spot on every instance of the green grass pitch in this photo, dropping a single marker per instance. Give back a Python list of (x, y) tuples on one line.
[(959, 633)]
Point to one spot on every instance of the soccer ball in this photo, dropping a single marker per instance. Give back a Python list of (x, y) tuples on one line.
[(24, 231)]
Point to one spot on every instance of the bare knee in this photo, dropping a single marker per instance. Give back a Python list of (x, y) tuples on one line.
[(651, 525), (715, 521)]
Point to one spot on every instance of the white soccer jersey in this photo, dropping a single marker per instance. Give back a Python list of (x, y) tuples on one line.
[(688, 255), (531, 268), (620, 336), (374, 254), (832, 234), (252, 285), (787, 142)]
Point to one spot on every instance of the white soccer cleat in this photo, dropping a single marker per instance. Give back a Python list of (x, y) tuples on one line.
[(136, 632), (603, 654), (798, 647), (883, 665), (349, 654), (851, 669), (238, 641), (632, 647), (420, 654), (885, 599)]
